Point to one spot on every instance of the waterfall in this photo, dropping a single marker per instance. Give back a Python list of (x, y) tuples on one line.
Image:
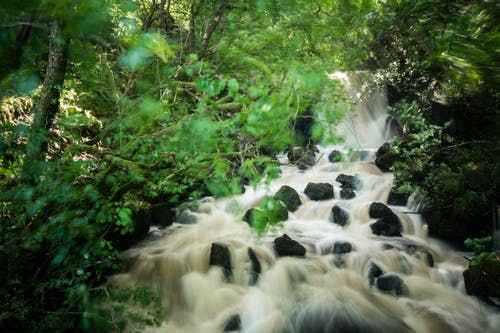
[(219, 275)]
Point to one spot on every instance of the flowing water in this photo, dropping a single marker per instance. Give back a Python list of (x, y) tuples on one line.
[(380, 284)]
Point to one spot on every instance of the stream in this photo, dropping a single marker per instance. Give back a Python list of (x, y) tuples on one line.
[(219, 275)]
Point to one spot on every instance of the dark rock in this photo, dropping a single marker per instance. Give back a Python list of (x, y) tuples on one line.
[(249, 215), (483, 279), (233, 324), (303, 158), (285, 246), (397, 199), (429, 258), (348, 181), (385, 162), (386, 227), (347, 193), (378, 210), (342, 247), (255, 268), (384, 149), (339, 216), (387, 246), (162, 214), (220, 256), (335, 156), (319, 191), (289, 196), (374, 272), (392, 284)]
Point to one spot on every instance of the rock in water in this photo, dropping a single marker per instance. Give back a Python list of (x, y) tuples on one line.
[(287, 247), (220, 256), (347, 193), (348, 181), (374, 272), (342, 248), (319, 191), (335, 156), (233, 324), (255, 268), (386, 227), (378, 210), (397, 199), (303, 158), (289, 196), (339, 216), (392, 284)]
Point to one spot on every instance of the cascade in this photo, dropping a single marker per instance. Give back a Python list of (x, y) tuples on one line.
[(352, 262)]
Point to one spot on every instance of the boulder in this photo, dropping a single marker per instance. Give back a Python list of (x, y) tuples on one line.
[(342, 247), (483, 279), (162, 214), (335, 156), (319, 191), (302, 157), (392, 284), (255, 268), (373, 273), (339, 216), (347, 193), (397, 199), (348, 181), (384, 149), (385, 162), (378, 210), (287, 247), (387, 227), (186, 217), (289, 197), (233, 324), (220, 256)]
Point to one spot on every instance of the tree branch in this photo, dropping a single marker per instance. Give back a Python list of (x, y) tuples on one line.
[(211, 28)]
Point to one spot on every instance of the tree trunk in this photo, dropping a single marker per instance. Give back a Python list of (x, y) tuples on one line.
[(48, 103), (191, 36), (211, 28)]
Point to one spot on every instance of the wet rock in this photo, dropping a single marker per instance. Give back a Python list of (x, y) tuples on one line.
[(233, 324), (347, 193), (285, 246), (386, 227), (374, 272), (339, 216), (220, 256), (348, 181), (387, 246), (302, 157), (335, 156), (162, 214), (397, 199), (429, 259), (385, 162), (319, 191), (289, 196), (249, 215), (378, 210), (384, 149), (255, 268), (392, 284), (483, 279), (342, 247)]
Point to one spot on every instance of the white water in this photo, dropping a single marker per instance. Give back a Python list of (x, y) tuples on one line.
[(322, 292)]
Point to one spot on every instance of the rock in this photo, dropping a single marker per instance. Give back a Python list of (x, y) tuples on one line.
[(429, 259), (392, 284), (384, 149), (397, 199), (289, 196), (285, 246), (319, 191), (255, 268), (387, 227), (483, 279), (342, 247), (374, 272), (385, 162), (162, 214), (220, 256), (233, 324), (303, 158), (335, 156), (348, 181), (378, 210), (347, 193), (339, 216), (186, 217)]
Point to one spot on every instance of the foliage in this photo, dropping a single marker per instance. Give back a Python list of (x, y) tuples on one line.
[(270, 212), (482, 248)]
